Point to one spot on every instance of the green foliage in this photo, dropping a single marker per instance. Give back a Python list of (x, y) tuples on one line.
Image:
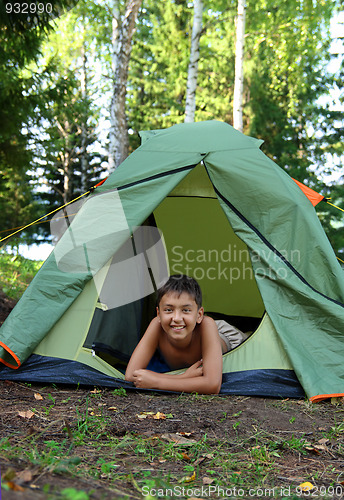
[(120, 392), (69, 116), (73, 494), (158, 69), (287, 77), (52, 96), (16, 273), (17, 111), (69, 132)]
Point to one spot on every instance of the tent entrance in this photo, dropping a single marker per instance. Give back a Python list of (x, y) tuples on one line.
[(193, 237), (200, 242)]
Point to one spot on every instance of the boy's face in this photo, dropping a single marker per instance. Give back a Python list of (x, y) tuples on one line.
[(179, 314)]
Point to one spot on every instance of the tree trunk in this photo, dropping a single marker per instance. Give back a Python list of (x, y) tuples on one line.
[(190, 102), (84, 92), (239, 67), (123, 28)]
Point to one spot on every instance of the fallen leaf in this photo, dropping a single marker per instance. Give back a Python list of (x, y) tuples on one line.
[(95, 391), (323, 441), (189, 479), (13, 486), (185, 456), (145, 414), (38, 396), (320, 447), (307, 486), (26, 414), (159, 416), (313, 449), (207, 480), (113, 408), (178, 439), (184, 433), (24, 476), (336, 401)]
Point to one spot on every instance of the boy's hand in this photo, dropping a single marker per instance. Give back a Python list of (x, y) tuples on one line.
[(144, 378), (195, 370)]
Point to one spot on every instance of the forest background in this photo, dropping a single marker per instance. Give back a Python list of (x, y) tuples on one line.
[(106, 69)]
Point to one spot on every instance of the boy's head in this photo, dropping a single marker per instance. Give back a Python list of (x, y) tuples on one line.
[(178, 284)]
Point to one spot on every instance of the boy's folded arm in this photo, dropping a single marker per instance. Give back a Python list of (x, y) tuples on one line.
[(205, 379), (147, 379)]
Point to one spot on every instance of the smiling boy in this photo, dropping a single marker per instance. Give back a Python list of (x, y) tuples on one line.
[(185, 338)]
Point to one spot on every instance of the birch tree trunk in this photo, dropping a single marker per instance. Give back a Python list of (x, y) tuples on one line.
[(190, 102), (239, 67), (123, 28), (83, 125)]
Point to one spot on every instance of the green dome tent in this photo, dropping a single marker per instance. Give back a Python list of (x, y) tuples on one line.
[(200, 199)]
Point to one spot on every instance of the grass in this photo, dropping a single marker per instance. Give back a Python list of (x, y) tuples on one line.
[(82, 446), (16, 273)]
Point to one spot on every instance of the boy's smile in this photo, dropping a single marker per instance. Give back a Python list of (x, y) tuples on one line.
[(178, 315)]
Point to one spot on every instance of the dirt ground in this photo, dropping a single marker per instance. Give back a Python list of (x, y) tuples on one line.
[(6, 306), (287, 442), (243, 423)]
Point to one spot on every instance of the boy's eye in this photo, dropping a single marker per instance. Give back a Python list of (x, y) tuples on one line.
[(187, 310)]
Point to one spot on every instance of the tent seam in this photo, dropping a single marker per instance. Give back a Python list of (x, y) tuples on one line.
[(156, 176), (244, 148)]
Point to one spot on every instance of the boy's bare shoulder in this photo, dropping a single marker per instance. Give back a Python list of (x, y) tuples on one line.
[(154, 329), (208, 327), (208, 322), (155, 321)]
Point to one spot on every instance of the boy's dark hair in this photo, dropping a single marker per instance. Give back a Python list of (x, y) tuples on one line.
[(179, 283)]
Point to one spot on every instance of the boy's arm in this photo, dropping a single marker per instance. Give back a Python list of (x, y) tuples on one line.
[(205, 379), (144, 350)]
